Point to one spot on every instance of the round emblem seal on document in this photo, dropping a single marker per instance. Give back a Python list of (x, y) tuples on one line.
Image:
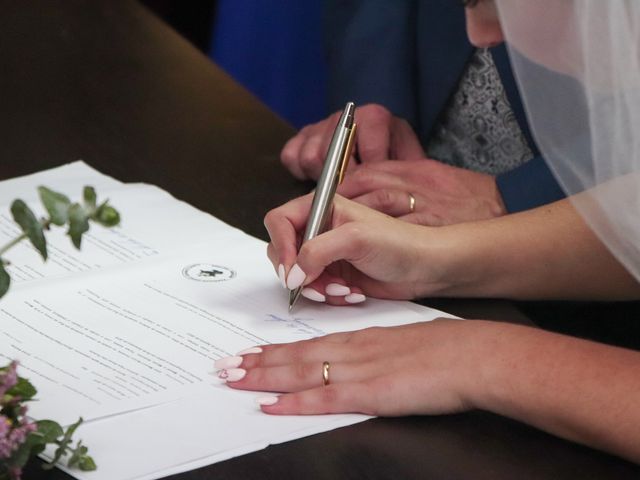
[(206, 272)]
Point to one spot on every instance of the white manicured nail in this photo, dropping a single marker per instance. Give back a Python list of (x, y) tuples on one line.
[(227, 362), (337, 290), (355, 298), (232, 374), (247, 351), (296, 277), (281, 275), (267, 400), (312, 294)]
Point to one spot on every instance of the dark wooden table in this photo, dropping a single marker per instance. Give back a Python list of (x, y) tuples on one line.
[(107, 82)]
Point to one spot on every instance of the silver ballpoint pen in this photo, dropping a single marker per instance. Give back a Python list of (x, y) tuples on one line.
[(335, 166)]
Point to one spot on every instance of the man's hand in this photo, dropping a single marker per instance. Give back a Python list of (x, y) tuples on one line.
[(443, 194), (381, 136)]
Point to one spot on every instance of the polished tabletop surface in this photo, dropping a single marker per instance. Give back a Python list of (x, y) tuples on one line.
[(107, 82)]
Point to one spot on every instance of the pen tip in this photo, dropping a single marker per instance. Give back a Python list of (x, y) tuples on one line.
[(293, 296)]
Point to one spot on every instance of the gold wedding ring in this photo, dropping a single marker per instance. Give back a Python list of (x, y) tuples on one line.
[(325, 373), (412, 203)]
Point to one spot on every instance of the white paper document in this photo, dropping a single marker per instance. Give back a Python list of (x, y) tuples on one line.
[(125, 332)]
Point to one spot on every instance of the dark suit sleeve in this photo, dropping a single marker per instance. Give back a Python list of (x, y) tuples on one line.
[(532, 184), (528, 186), (370, 51)]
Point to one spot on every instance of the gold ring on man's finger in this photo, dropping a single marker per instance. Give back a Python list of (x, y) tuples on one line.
[(412, 203), (325, 373)]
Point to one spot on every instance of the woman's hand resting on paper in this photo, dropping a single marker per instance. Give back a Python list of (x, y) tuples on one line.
[(363, 252), (422, 368), (447, 366)]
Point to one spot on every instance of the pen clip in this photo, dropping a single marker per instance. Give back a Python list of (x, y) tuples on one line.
[(347, 153)]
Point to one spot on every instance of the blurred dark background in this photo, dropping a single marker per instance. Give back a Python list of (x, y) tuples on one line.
[(193, 18), (274, 49)]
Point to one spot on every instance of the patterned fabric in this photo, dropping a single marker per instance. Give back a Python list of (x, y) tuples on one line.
[(477, 129)]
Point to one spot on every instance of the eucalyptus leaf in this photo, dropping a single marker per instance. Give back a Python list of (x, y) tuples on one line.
[(30, 225), (78, 223), (5, 279), (57, 205), (89, 196), (106, 215)]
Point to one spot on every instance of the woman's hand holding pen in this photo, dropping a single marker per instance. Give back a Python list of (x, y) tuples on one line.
[(345, 262)]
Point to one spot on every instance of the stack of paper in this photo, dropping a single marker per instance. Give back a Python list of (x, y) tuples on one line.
[(125, 332)]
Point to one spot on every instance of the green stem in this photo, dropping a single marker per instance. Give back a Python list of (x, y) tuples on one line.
[(12, 243), (45, 222)]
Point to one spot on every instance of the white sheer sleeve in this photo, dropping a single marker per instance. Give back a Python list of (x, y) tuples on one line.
[(578, 66)]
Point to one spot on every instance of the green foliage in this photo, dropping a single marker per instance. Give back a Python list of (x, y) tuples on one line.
[(106, 215), (57, 205), (36, 436), (26, 439), (50, 432), (61, 212), (32, 446), (78, 458), (23, 389), (78, 223), (30, 225), (5, 280), (89, 197)]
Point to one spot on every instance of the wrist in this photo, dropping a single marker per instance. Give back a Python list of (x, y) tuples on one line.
[(490, 352), (477, 372), (498, 207), (484, 187), (450, 261), (434, 258)]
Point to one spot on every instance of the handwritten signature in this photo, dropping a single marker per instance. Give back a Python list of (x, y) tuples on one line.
[(299, 325)]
